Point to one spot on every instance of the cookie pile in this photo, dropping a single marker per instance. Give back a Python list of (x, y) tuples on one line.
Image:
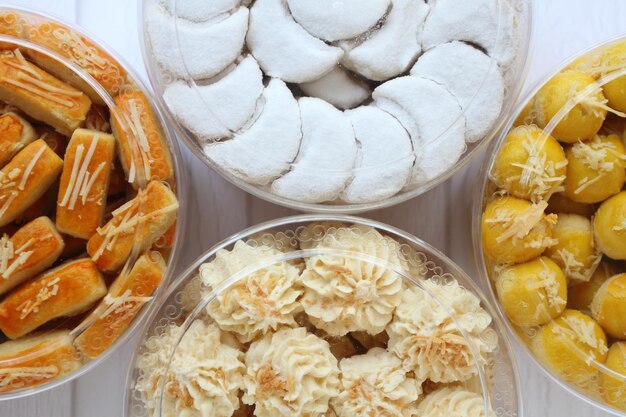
[(349, 102), (338, 333), (554, 224)]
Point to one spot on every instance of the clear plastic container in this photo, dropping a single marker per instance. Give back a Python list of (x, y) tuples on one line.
[(55, 334), (254, 133), (322, 288), (560, 306)]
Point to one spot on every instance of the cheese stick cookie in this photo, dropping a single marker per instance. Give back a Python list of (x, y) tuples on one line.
[(140, 222), (127, 295), (142, 148), (80, 50), (26, 178), (36, 359), (61, 292), (40, 95), (15, 133), (31, 250), (84, 183)]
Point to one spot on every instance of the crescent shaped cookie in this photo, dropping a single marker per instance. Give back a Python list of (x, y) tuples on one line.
[(333, 20), (326, 158), (196, 50), (492, 26), (215, 111), (392, 49), (385, 157), (199, 10), (472, 77), (264, 151), (434, 119), (283, 48)]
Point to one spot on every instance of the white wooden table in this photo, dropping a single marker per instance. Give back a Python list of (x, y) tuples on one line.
[(218, 209)]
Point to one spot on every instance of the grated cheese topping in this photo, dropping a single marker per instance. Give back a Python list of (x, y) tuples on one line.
[(81, 180), (539, 176), (28, 79), (125, 304), (8, 203), (45, 293), (30, 167), (138, 140), (592, 101), (584, 331), (85, 55), (11, 376), (519, 226), (547, 282)]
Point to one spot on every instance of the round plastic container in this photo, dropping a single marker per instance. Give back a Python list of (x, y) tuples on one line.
[(70, 316), (571, 337), (349, 295), (399, 136)]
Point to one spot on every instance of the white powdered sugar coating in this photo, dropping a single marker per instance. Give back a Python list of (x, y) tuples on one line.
[(375, 384), (462, 57), (203, 379), (326, 158), (453, 402), (216, 110), (426, 332), (488, 23), (285, 49), (333, 20), (196, 50), (263, 301), (472, 77), (385, 157), (433, 118), (290, 373), (339, 88), (264, 151), (346, 294), (393, 48), (200, 10)]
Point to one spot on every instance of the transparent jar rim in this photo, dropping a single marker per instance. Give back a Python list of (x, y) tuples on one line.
[(330, 207), (180, 177), (477, 210), (286, 222)]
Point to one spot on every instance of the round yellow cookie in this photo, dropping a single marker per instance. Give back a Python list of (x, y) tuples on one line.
[(614, 59), (581, 295), (532, 293), (585, 118), (516, 230), (609, 226), (609, 306), (530, 164), (596, 169), (574, 251), (612, 387), (568, 346)]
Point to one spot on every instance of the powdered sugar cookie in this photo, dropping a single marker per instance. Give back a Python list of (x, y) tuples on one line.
[(326, 158), (199, 10), (216, 110), (196, 50), (339, 88), (491, 27), (265, 150), (385, 157), (472, 77), (283, 48), (334, 20), (434, 119), (393, 48)]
